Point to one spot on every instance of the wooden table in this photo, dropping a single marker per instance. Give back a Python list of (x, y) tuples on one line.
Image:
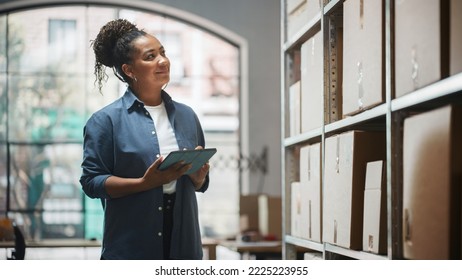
[(54, 243), (258, 250), (210, 245)]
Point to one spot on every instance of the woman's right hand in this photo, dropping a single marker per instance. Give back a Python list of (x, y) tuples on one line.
[(155, 177)]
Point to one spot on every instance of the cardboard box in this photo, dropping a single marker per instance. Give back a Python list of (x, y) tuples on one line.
[(295, 209), (262, 213), (432, 183), (299, 13), (421, 43), (294, 109), (375, 209), (456, 37), (346, 156), (270, 216), (310, 181), (312, 78), (363, 55)]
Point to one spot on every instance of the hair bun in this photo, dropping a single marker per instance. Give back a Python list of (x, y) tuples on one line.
[(107, 38)]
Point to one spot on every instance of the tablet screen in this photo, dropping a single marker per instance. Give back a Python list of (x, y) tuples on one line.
[(197, 157)]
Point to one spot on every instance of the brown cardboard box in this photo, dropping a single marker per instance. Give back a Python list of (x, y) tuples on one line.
[(299, 13), (262, 213), (432, 172), (312, 83), (346, 156), (248, 213), (363, 55), (421, 43), (270, 216), (375, 209), (456, 37), (310, 180)]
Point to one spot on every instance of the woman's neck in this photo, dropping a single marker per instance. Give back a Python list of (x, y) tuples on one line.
[(150, 97)]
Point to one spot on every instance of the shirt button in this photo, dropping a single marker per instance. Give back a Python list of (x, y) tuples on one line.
[(159, 233), (153, 132), (160, 208)]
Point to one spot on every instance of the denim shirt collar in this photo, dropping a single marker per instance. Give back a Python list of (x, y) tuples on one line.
[(131, 102)]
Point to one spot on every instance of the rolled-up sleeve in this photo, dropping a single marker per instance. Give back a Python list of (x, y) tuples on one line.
[(98, 157), (204, 186)]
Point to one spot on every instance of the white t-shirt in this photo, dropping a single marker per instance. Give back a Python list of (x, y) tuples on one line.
[(165, 136)]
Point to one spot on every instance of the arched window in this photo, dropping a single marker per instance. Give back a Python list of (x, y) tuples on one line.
[(47, 92)]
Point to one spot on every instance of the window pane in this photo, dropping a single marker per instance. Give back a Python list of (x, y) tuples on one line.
[(3, 107), (96, 17), (3, 179), (45, 187), (40, 172), (93, 219), (112, 89), (62, 36), (46, 108), (47, 40), (2, 43), (50, 224), (151, 23)]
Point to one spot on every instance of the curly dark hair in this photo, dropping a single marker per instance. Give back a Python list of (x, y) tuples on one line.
[(113, 47)]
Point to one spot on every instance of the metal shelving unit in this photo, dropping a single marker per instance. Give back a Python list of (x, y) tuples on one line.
[(386, 117)]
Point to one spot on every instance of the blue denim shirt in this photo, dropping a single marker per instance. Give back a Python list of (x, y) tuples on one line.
[(120, 140)]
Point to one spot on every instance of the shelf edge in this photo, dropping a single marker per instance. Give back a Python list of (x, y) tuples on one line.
[(448, 86), (331, 6), (360, 255), (372, 113), (304, 243), (306, 136), (303, 33)]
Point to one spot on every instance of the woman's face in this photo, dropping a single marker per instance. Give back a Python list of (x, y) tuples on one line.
[(149, 66)]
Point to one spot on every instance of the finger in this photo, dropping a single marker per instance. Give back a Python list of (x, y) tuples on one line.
[(178, 165), (199, 148), (158, 161), (185, 168)]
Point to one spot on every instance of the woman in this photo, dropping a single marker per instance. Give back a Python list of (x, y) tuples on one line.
[(148, 213)]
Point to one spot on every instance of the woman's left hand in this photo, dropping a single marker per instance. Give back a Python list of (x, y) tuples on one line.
[(198, 177)]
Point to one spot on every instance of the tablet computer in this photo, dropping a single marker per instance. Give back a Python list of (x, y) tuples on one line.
[(196, 157)]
